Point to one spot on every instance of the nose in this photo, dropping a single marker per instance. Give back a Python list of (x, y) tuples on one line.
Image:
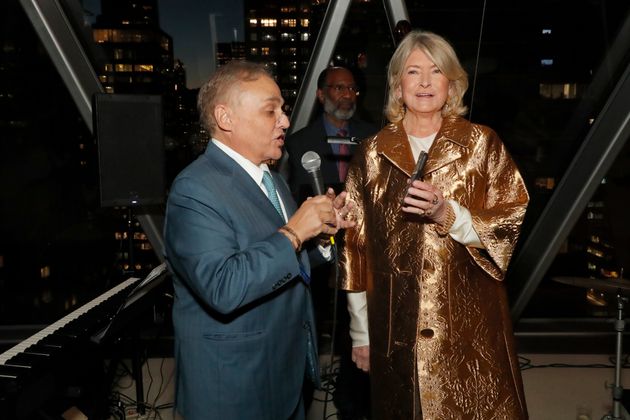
[(425, 80), (283, 121)]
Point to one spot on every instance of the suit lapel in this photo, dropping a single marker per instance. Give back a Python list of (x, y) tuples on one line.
[(242, 183)]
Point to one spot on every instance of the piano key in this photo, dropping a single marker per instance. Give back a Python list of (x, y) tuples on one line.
[(51, 329)]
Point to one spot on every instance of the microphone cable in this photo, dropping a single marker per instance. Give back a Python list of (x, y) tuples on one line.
[(331, 379)]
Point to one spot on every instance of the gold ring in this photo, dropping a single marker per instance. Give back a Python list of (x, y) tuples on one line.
[(435, 200), (428, 212)]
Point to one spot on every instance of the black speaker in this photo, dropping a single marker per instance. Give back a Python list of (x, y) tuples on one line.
[(130, 137)]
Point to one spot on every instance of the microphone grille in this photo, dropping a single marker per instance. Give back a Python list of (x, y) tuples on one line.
[(311, 161)]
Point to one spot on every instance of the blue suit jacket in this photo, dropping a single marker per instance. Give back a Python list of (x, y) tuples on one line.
[(243, 318)]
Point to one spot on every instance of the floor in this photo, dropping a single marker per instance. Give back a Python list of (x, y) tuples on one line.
[(557, 387)]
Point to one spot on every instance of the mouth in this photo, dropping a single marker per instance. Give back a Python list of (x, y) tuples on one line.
[(280, 138), (424, 95)]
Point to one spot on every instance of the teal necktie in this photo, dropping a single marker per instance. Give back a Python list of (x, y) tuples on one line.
[(273, 197), (271, 192)]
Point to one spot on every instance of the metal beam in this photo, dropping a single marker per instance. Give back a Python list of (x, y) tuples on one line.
[(320, 57), (601, 147), (56, 33), (396, 11)]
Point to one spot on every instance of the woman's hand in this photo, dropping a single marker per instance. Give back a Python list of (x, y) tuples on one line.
[(426, 201)]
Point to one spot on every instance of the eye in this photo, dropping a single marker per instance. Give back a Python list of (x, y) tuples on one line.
[(437, 71)]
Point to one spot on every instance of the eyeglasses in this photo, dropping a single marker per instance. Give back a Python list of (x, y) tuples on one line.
[(354, 90)]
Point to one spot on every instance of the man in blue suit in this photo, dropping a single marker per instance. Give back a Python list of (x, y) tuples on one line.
[(243, 320)]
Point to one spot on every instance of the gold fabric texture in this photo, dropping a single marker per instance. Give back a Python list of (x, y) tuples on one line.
[(438, 311)]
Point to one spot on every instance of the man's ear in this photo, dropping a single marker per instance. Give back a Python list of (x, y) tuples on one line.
[(223, 117), (320, 96)]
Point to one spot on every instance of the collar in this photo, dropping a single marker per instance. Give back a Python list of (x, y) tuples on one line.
[(450, 143), (255, 172)]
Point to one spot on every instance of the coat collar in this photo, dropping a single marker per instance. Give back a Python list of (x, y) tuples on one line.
[(450, 143)]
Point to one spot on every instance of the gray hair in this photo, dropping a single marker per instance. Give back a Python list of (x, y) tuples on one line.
[(221, 84)]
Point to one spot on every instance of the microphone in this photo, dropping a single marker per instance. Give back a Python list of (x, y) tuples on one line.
[(312, 163)]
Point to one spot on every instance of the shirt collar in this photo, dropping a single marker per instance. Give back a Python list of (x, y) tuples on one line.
[(256, 172)]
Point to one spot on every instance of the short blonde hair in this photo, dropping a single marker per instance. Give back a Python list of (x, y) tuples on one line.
[(443, 56), (220, 85)]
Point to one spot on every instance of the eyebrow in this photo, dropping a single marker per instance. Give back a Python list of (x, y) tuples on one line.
[(274, 99)]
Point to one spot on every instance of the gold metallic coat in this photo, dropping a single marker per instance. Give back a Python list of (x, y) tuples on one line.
[(438, 312)]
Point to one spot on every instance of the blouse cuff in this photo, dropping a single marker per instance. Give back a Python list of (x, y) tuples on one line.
[(357, 307)]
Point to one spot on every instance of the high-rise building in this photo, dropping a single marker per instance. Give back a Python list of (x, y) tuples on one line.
[(139, 55), (278, 33)]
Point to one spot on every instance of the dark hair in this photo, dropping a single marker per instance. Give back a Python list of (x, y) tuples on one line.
[(321, 80)]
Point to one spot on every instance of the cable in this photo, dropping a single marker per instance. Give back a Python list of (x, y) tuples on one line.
[(327, 388), (474, 84)]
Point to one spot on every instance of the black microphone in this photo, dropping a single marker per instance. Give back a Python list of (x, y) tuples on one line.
[(311, 162)]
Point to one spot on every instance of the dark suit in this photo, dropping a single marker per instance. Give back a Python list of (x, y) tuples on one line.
[(244, 328), (351, 395), (313, 137)]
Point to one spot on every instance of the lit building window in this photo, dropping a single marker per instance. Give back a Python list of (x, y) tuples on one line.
[(253, 22), (545, 62), (102, 78), (125, 22), (269, 23), (44, 272), (253, 51), (304, 36), (118, 53), (264, 51), (546, 183), (291, 23), (143, 67), (123, 67), (101, 35), (109, 89), (546, 31), (109, 67), (558, 90), (285, 36), (304, 23), (269, 37)]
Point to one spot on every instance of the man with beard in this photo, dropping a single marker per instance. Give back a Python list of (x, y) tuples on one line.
[(337, 92)]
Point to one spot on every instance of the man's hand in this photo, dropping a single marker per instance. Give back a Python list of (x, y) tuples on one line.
[(361, 357)]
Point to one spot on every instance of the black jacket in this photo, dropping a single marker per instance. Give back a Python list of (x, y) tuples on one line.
[(313, 137)]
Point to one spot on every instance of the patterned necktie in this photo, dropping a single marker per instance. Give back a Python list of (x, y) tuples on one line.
[(271, 192), (344, 151)]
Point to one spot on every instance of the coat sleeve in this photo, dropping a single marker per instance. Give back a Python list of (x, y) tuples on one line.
[(498, 215), (354, 269)]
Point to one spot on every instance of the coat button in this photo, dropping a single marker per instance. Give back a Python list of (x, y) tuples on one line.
[(427, 333)]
